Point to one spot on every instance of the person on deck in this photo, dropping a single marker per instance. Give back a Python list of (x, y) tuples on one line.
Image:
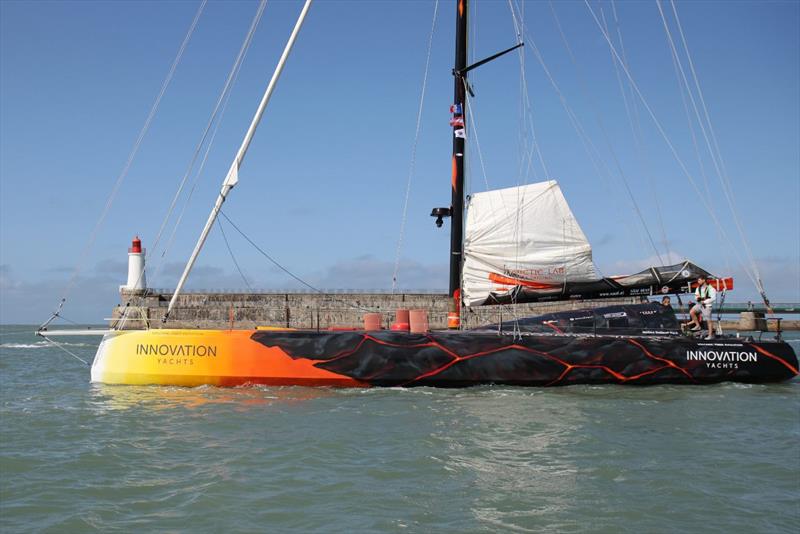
[(704, 297), (666, 302)]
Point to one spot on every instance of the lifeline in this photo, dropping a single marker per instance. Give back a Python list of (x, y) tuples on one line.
[(176, 350), (726, 356)]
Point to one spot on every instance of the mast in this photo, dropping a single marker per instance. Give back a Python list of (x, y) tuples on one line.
[(457, 203), (232, 178)]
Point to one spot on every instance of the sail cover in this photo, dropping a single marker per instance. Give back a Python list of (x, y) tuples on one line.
[(523, 244), (669, 279), (522, 236)]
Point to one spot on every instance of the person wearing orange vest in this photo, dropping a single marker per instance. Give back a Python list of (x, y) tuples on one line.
[(704, 297)]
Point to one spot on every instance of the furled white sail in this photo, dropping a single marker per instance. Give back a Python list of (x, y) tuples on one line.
[(522, 236)]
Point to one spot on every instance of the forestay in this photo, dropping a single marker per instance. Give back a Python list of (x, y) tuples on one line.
[(523, 236)]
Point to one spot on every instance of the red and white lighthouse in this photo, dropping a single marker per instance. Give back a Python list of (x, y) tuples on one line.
[(136, 276)]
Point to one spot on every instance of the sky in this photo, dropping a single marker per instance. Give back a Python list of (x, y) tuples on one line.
[(323, 186)]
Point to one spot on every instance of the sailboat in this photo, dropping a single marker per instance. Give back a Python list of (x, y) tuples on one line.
[(521, 244)]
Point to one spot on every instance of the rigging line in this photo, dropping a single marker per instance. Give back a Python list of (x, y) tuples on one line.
[(630, 95), (591, 149), (601, 125), (215, 119), (592, 152), (669, 144), (755, 276), (522, 127), (530, 116), (690, 123), (195, 182), (526, 164), (616, 72), (65, 349), (472, 119), (718, 161), (413, 165), (683, 89), (524, 154), (233, 257), (284, 269), (222, 99), (67, 320), (124, 173), (520, 31), (473, 127), (724, 173), (218, 113), (232, 177), (636, 132)]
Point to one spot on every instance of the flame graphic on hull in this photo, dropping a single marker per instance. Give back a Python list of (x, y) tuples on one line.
[(443, 359)]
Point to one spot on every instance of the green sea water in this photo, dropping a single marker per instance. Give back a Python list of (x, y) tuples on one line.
[(77, 457)]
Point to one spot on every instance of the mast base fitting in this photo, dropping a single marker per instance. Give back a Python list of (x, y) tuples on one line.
[(440, 213)]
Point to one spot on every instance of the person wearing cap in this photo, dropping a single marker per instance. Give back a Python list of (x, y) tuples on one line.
[(704, 297)]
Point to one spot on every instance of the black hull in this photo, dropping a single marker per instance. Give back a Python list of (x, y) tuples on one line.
[(462, 359)]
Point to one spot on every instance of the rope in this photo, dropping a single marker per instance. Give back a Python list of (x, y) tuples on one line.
[(601, 125), (519, 29), (236, 263), (636, 132), (284, 269), (664, 135), (589, 147), (716, 153), (683, 89), (219, 107), (473, 122), (413, 164), (93, 235), (65, 349), (67, 320), (600, 167), (472, 118), (215, 119)]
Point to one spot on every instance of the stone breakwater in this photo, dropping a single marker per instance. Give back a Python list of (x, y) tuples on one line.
[(322, 311), (312, 310)]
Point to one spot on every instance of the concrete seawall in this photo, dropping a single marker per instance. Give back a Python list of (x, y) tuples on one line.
[(323, 311), (312, 310)]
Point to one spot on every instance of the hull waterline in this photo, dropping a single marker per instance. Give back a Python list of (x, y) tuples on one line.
[(442, 359)]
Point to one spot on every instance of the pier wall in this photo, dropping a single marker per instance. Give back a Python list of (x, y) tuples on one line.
[(313, 310), (343, 310)]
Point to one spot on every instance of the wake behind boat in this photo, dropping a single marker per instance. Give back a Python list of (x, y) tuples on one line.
[(521, 244)]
